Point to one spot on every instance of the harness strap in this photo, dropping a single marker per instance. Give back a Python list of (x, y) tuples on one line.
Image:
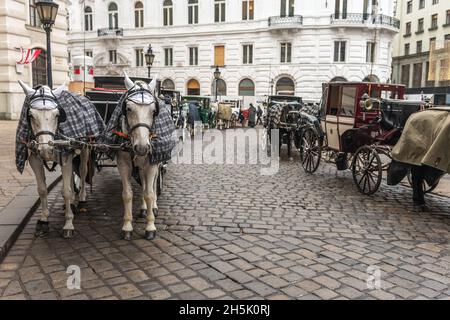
[(52, 168)]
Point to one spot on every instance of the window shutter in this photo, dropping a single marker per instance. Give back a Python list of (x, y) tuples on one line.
[(219, 55)]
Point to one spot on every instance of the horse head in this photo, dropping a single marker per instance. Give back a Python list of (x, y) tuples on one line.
[(140, 108), (44, 115)]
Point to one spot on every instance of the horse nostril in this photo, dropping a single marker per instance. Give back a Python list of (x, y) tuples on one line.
[(141, 150)]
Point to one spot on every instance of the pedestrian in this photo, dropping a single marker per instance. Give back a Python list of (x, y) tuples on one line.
[(259, 114), (251, 116)]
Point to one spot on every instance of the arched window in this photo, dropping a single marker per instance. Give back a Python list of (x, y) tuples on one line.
[(221, 87), (193, 11), (168, 12), (371, 78), (246, 87), (139, 15), (113, 15), (338, 79), (39, 69), (285, 86), (88, 19), (193, 88), (168, 84)]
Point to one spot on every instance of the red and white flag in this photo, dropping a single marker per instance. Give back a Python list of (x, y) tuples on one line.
[(29, 55)]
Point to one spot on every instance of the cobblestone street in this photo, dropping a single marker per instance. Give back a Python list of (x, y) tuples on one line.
[(226, 232)]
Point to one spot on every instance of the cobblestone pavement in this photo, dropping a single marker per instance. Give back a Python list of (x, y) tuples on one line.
[(226, 232), (11, 181)]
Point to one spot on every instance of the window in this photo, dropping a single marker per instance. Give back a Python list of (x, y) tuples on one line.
[(168, 57), (285, 85), (287, 8), (34, 17), (247, 9), (409, 7), (443, 73), (417, 75), (447, 19), (339, 51), (219, 10), (434, 22), (113, 15), (113, 56), (432, 43), (247, 54), (39, 69), (168, 84), (193, 11), (168, 12), (370, 52), (193, 88), (88, 53), (246, 88), (408, 29), (138, 15), (193, 56), (340, 9), (420, 25), (435, 2), (221, 87), (286, 52), (421, 4), (139, 57), (405, 75), (219, 56), (88, 19), (419, 46), (348, 101), (406, 49)]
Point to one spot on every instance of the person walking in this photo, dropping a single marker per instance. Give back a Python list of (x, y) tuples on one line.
[(259, 115), (251, 116)]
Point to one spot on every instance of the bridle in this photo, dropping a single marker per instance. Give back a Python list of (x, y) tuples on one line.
[(130, 95)]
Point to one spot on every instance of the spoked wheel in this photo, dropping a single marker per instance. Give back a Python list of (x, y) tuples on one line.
[(367, 170), (310, 150), (426, 187)]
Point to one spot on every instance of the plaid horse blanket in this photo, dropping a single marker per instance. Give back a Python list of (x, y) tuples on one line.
[(82, 120), (163, 127)]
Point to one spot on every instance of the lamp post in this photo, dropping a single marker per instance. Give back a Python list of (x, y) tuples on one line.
[(216, 77), (47, 11), (149, 58)]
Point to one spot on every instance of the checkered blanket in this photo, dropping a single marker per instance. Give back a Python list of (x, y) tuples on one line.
[(82, 120), (163, 127)]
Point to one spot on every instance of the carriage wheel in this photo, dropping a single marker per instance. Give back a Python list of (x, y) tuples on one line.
[(426, 187), (367, 170), (310, 150)]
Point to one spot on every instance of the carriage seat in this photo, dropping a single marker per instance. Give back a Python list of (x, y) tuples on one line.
[(395, 113)]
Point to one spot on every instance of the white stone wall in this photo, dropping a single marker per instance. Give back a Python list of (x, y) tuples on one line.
[(15, 32), (312, 44)]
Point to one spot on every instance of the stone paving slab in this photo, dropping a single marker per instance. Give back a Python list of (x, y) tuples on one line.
[(226, 232)]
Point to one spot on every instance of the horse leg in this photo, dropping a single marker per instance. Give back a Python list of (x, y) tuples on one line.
[(150, 197), (124, 167), (42, 226), (84, 159), (143, 212), (155, 187), (67, 171)]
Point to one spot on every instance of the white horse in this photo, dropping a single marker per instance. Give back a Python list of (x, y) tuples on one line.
[(44, 116), (141, 107)]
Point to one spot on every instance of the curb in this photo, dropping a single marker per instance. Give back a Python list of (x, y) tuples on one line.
[(15, 216)]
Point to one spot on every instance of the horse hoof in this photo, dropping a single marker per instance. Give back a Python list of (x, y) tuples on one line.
[(68, 234), (82, 206), (127, 235), (143, 213), (42, 229), (150, 235), (155, 212)]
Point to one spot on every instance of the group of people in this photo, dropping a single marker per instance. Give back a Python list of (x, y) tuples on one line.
[(252, 115)]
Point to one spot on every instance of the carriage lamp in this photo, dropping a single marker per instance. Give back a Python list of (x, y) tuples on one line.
[(216, 77), (47, 11), (149, 58)]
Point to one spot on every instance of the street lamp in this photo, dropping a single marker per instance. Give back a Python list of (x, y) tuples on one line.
[(47, 11), (216, 77), (149, 58)]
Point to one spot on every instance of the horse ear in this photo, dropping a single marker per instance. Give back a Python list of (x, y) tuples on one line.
[(152, 84), (26, 89), (57, 92), (128, 83)]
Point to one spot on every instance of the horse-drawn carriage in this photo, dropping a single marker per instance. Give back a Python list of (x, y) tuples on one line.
[(360, 123), (198, 108)]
